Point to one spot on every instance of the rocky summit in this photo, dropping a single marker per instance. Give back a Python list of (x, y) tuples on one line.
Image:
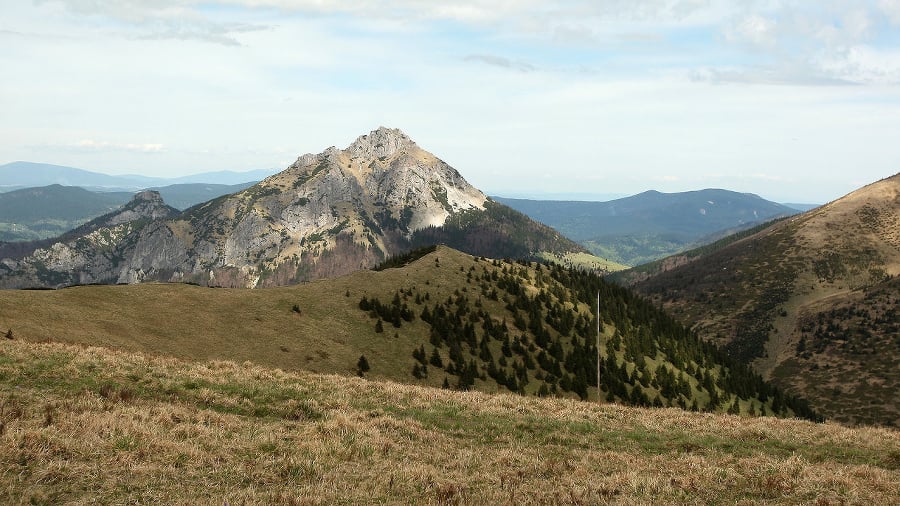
[(92, 253), (327, 214)]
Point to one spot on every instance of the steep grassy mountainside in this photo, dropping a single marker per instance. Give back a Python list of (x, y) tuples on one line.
[(811, 301), (325, 215), (651, 225), (49, 211), (633, 275), (84, 425), (442, 319)]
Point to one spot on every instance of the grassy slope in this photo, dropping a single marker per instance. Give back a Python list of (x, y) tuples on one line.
[(584, 261), (88, 425), (760, 296), (330, 332), (238, 324)]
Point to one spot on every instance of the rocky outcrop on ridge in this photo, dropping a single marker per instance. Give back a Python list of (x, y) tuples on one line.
[(325, 215)]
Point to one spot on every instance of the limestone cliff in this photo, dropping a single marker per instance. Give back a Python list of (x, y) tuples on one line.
[(92, 253), (327, 214)]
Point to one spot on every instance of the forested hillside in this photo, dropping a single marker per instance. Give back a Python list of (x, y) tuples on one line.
[(530, 328)]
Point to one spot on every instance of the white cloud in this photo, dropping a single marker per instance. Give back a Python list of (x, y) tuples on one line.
[(499, 61), (92, 145), (754, 29), (891, 8), (864, 64), (139, 84)]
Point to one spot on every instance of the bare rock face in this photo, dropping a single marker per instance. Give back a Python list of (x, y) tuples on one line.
[(383, 142), (327, 214), (347, 209), (92, 253)]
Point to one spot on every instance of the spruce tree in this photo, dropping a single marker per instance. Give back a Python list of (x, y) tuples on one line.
[(435, 359), (362, 365)]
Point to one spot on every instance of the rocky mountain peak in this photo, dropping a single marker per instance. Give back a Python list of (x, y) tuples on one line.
[(383, 142), (147, 196), (147, 204)]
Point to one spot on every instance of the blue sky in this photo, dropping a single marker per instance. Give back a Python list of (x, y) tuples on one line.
[(793, 100)]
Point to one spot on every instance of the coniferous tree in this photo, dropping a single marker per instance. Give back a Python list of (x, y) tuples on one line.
[(362, 365), (435, 359)]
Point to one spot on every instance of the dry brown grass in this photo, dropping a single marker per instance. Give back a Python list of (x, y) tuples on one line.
[(753, 295), (85, 425)]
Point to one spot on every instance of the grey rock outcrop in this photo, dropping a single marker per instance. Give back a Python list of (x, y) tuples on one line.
[(327, 214), (92, 253)]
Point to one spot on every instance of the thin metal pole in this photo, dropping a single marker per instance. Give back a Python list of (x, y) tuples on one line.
[(598, 344)]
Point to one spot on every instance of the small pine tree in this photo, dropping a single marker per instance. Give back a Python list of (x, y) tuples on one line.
[(446, 385), (379, 327), (435, 359), (9, 334), (362, 366)]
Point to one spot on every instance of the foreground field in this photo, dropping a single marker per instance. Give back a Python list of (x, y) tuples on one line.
[(83, 425)]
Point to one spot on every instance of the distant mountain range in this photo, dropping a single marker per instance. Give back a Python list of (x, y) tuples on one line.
[(17, 175), (327, 214), (810, 300), (651, 225), (627, 231)]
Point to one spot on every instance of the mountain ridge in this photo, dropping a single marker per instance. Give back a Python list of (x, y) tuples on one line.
[(651, 224), (809, 300), (324, 215)]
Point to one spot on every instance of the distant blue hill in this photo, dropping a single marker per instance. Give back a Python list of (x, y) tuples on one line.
[(17, 175), (651, 225)]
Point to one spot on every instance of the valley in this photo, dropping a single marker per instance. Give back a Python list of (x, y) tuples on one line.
[(810, 301)]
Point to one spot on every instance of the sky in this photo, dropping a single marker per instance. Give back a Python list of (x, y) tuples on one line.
[(796, 101)]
